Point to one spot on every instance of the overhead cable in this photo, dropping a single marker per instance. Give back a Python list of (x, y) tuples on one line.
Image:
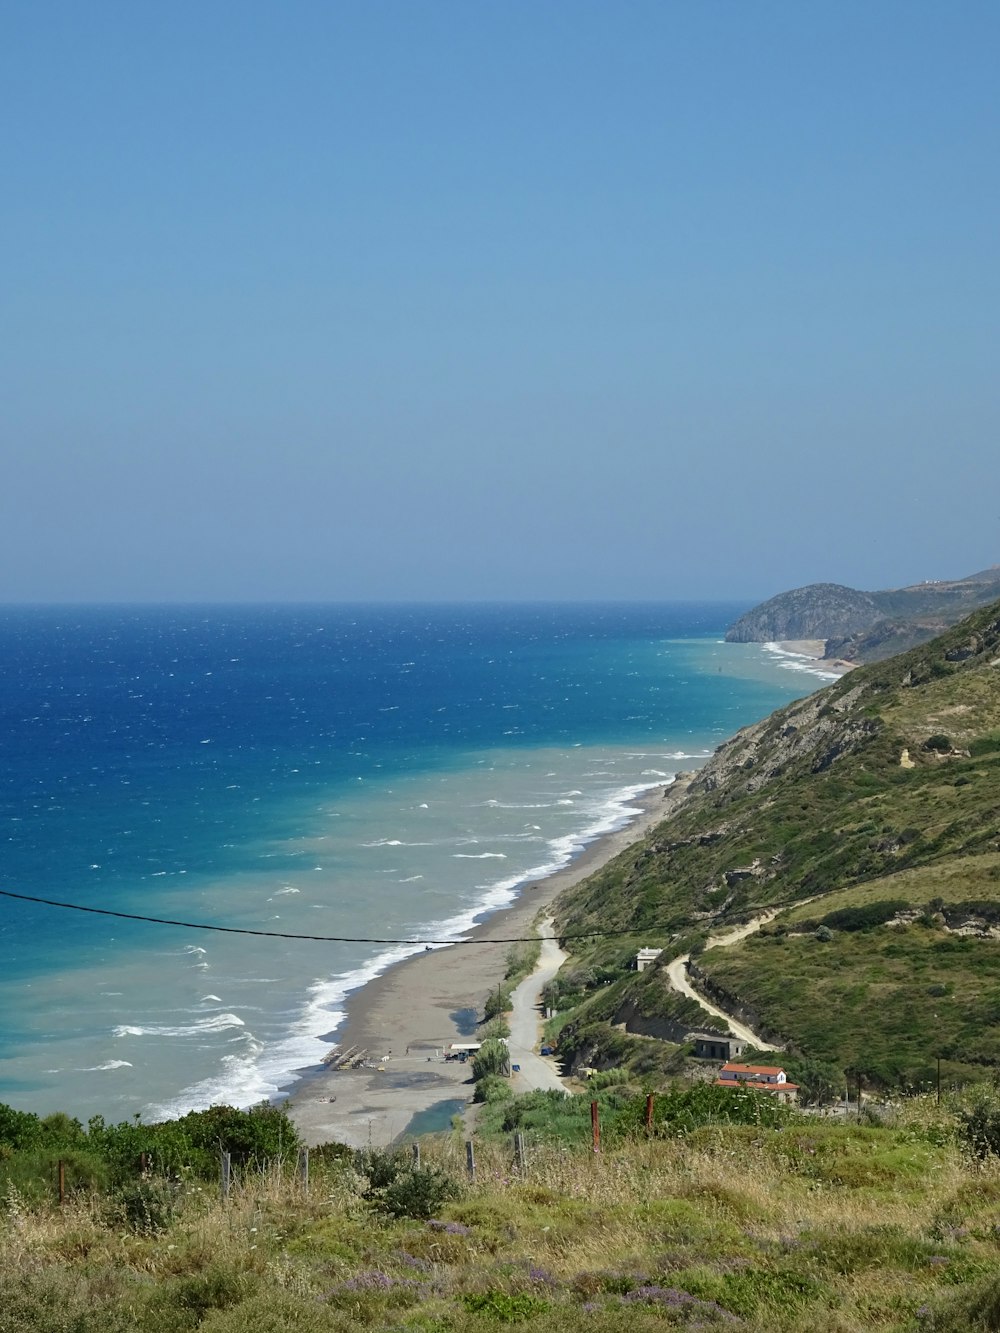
[(287, 935)]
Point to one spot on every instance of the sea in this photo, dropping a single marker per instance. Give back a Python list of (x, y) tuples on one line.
[(365, 774)]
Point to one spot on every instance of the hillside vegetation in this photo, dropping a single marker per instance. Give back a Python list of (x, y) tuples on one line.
[(882, 789), (732, 1213)]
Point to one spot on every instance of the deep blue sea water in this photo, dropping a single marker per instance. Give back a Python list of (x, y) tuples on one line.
[(334, 770)]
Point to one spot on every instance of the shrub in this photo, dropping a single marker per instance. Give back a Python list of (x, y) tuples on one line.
[(19, 1129), (493, 1057), (380, 1166), (687, 1108), (264, 1133), (145, 1208), (419, 1192), (497, 1003), (819, 1081), (608, 1078), (979, 1126), (865, 916), (939, 742), (395, 1186), (505, 1307), (35, 1174), (492, 1088)]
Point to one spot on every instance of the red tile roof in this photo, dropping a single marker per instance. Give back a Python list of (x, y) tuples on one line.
[(752, 1069)]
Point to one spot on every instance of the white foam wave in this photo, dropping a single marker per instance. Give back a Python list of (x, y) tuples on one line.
[(254, 1072), (217, 1023), (108, 1064), (480, 856), (523, 805), (395, 842), (792, 661)]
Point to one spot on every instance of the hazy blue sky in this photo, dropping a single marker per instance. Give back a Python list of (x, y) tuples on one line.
[(496, 300)]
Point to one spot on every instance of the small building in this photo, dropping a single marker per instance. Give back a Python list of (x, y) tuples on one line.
[(763, 1078), (712, 1046), (461, 1050), (644, 957)]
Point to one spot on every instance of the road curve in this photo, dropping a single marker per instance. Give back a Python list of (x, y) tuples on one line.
[(677, 974)]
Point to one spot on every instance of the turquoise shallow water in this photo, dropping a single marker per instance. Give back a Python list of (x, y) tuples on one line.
[(391, 772)]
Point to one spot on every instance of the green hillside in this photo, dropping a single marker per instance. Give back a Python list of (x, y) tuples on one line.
[(886, 786)]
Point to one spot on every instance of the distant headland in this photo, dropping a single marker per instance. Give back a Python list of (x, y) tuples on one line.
[(860, 626)]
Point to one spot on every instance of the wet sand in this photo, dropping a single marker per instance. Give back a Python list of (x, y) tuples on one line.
[(405, 1018)]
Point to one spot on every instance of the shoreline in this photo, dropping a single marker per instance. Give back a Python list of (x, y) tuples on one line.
[(405, 1016), (812, 650)]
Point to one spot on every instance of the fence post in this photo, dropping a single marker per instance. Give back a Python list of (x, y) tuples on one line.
[(649, 1113), (519, 1151), (595, 1126), (470, 1159), (415, 1150), (226, 1165), (304, 1167)]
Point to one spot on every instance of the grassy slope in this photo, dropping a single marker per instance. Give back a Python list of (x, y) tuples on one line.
[(815, 801), (833, 1228)]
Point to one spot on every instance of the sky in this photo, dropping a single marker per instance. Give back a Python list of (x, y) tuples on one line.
[(449, 300)]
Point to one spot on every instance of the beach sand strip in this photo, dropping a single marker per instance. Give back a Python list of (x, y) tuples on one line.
[(406, 1017)]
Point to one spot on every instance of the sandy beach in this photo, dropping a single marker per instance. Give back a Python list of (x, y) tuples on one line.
[(405, 1017), (815, 648)]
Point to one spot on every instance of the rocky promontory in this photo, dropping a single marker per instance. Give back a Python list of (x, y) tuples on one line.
[(818, 611), (861, 626)]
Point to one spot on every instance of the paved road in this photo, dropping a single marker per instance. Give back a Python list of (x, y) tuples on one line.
[(536, 1071)]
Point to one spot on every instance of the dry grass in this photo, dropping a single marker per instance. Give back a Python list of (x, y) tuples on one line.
[(818, 1225)]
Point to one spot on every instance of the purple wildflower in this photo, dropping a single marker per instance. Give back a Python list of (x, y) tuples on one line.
[(450, 1228), (411, 1261), (541, 1275)]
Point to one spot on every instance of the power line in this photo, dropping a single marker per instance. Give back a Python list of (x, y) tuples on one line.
[(286, 935)]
